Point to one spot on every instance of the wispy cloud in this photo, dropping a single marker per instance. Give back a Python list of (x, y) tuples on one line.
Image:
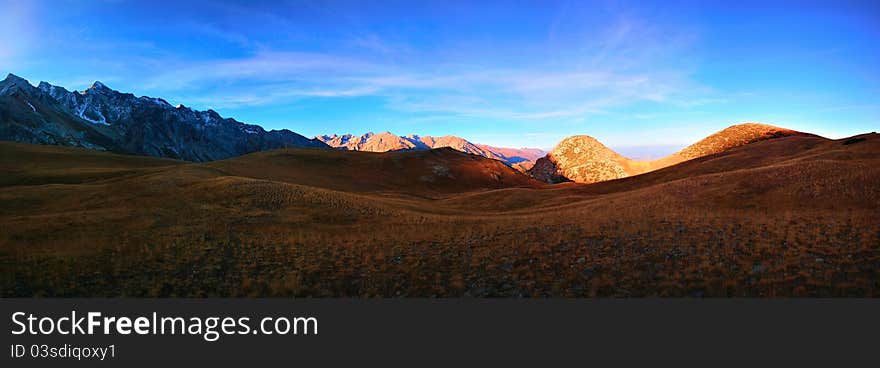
[(624, 65), (522, 94), (256, 71), (626, 62)]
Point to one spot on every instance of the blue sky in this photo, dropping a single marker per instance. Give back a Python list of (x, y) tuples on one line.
[(515, 73)]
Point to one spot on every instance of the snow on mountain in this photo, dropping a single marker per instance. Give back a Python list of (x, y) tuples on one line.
[(102, 118)]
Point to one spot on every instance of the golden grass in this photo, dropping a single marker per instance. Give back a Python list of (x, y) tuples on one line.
[(789, 217)]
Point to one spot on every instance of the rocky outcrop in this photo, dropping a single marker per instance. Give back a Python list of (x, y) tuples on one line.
[(582, 159)]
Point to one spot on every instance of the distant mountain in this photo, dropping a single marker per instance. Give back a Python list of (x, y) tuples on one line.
[(384, 142), (521, 159), (372, 142), (584, 159), (104, 119), (515, 154), (458, 144)]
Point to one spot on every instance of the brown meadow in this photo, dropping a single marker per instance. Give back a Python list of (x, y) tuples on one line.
[(792, 216)]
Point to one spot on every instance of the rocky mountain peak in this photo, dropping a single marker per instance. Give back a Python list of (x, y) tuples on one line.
[(98, 85), (102, 118), (12, 78), (54, 91), (13, 83)]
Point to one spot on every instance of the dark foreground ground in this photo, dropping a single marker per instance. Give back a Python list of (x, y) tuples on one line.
[(794, 216)]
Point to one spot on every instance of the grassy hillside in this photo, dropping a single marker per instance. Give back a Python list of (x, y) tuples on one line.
[(426, 173), (32, 164), (793, 216)]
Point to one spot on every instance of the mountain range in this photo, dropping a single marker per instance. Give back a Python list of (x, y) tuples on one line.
[(104, 119), (519, 158)]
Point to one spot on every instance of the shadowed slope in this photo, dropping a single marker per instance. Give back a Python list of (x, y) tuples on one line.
[(30, 164), (436, 171)]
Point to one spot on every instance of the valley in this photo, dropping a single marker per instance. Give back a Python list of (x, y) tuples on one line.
[(790, 216)]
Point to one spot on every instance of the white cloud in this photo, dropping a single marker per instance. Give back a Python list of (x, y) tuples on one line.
[(625, 65)]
